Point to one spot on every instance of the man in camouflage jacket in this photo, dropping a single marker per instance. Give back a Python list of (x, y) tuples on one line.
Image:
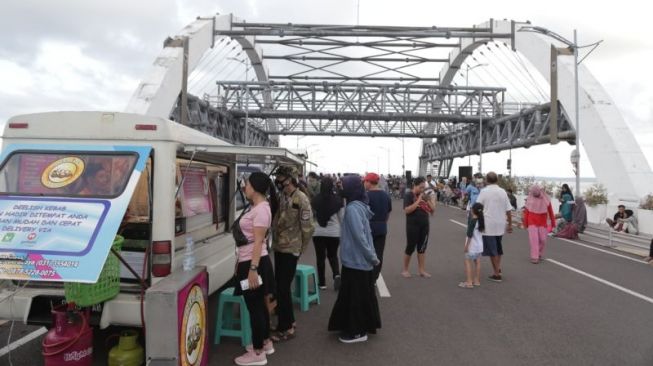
[(292, 229)]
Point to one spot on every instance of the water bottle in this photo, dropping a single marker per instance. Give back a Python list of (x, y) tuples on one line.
[(189, 257)]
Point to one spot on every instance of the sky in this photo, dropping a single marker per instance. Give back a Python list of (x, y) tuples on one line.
[(91, 55)]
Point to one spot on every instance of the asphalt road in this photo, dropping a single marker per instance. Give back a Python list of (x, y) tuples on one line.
[(582, 306)]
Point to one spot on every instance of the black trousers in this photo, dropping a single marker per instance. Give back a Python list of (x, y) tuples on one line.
[(285, 265), (326, 248), (255, 300), (379, 247), (650, 251)]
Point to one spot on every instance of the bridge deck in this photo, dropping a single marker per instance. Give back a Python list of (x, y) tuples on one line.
[(540, 315), (584, 305)]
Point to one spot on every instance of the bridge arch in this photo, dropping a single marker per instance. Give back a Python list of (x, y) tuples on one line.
[(612, 149), (616, 158)]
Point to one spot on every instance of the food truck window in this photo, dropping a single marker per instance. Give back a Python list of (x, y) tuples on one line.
[(200, 199), (76, 174)]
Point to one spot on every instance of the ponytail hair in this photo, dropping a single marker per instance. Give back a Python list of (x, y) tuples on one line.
[(477, 209)]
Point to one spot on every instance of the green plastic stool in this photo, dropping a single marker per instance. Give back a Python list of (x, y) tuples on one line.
[(302, 295), (226, 322)]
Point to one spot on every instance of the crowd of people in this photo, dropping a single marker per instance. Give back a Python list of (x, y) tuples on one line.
[(345, 217)]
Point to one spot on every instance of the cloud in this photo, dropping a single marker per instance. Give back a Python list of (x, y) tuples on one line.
[(80, 54)]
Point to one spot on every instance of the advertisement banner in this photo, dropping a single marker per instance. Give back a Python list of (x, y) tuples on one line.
[(61, 207)]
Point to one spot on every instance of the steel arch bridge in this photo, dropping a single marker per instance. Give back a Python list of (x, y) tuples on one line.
[(387, 81)]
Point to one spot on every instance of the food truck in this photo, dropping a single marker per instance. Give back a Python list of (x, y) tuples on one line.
[(71, 181)]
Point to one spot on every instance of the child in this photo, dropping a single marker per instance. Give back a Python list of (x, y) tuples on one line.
[(474, 247)]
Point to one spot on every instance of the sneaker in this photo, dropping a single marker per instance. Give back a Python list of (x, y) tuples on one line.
[(323, 287), (250, 358), (268, 348), (336, 283), (353, 339), (495, 278)]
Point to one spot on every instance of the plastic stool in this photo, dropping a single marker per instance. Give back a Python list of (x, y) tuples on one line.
[(226, 322), (301, 293)]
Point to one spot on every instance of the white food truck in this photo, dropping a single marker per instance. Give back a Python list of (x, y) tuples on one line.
[(71, 181)]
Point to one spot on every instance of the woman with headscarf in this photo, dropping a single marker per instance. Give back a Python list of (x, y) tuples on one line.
[(537, 209), (579, 215), (327, 206), (356, 311), (566, 200)]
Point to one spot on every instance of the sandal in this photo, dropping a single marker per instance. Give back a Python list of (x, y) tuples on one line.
[(465, 285), (283, 336), (477, 284)]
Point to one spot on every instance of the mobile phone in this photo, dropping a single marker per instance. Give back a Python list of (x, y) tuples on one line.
[(244, 284)]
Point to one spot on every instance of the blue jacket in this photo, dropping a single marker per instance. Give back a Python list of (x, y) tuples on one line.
[(356, 247)]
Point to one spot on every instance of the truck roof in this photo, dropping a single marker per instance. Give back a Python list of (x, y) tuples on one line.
[(97, 125)]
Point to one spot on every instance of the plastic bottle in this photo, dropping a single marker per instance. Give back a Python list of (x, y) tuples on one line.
[(189, 256)]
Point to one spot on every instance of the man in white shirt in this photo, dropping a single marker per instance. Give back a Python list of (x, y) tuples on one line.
[(496, 210)]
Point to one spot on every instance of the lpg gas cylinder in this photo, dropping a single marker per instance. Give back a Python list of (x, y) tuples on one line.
[(70, 341)]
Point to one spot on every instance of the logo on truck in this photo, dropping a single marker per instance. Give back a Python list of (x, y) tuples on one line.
[(62, 172), (193, 329)]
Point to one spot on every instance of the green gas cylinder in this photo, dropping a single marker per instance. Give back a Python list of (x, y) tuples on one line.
[(128, 352)]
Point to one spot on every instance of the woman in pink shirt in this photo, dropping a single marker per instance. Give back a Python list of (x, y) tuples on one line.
[(250, 232), (538, 208)]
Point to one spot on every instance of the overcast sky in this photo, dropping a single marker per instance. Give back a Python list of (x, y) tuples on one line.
[(90, 55)]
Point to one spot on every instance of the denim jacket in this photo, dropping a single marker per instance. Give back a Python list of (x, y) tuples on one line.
[(356, 247)]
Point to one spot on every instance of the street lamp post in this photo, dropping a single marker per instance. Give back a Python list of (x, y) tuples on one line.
[(247, 67), (480, 124), (480, 133), (387, 150), (403, 157), (576, 101), (572, 46)]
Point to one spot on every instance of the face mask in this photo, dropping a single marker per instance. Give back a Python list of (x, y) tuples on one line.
[(279, 185)]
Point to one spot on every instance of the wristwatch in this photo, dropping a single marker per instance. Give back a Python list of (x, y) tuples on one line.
[(253, 268)]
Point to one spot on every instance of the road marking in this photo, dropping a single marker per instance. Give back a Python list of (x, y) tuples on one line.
[(603, 251), (457, 222), (583, 245), (26, 339), (381, 286), (601, 280)]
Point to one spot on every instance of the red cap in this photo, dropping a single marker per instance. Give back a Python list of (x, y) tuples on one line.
[(372, 178)]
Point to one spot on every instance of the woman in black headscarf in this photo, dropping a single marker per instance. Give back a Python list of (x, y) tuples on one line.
[(327, 206), (356, 311)]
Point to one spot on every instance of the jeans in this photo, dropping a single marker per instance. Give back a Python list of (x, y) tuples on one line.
[(379, 247), (285, 265), (326, 248)]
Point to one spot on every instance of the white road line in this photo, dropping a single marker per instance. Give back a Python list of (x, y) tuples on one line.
[(26, 339), (603, 251), (583, 245), (381, 286), (601, 280), (458, 222)]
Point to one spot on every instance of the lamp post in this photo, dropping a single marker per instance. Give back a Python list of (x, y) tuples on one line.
[(468, 69), (247, 67), (387, 151), (573, 47), (403, 156)]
